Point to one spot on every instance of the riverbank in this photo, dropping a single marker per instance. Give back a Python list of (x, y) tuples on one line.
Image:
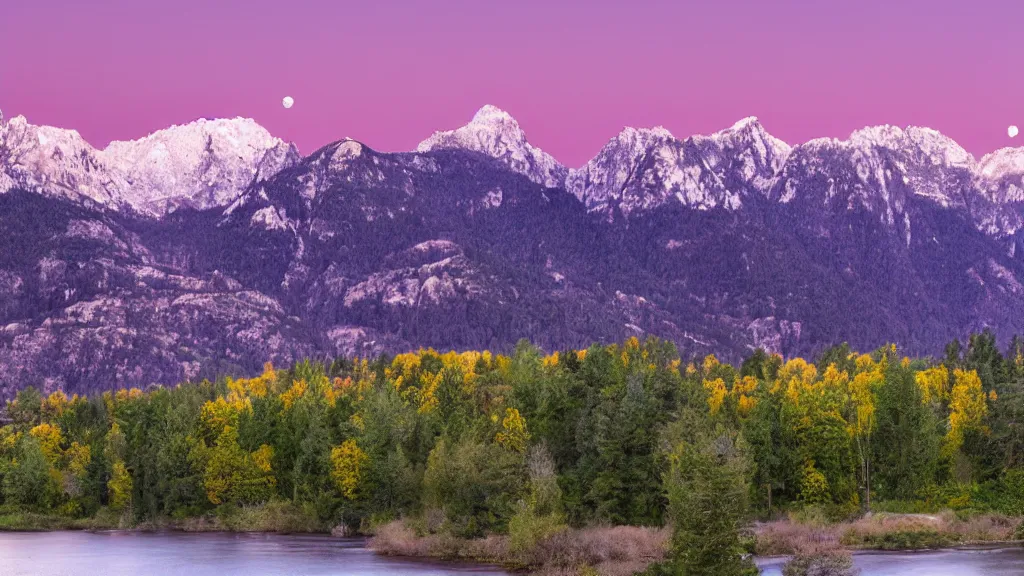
[(32, 522), (615, 551), (598, 551), (884, 531), (272, 517)]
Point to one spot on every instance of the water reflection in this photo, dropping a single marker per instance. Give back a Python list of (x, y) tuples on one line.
[(967, 562), (172, 554)]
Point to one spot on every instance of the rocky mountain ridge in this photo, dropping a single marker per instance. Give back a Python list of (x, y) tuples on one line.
[(203, 164), (213, 247)]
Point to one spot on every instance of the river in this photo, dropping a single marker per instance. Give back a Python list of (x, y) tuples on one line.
[(221, 554), (210, 554), (963, 562)]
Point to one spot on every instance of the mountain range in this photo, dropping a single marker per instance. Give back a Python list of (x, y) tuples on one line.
[(213, 247)]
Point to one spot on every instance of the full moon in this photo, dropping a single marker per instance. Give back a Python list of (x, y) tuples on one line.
[(1012, 131), (288, 101)]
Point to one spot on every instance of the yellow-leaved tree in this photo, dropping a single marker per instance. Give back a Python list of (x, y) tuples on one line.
[(743, 389), (934, 384), (716, 394), (49, 437), (347, 462), (514, 435), (230, 474), (861, 395), (967, 409), (120, 487)]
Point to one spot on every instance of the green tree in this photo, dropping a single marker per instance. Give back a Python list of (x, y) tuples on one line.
[(390, 479), (476, 484), (28, 482), (906, 439), (707, 486)]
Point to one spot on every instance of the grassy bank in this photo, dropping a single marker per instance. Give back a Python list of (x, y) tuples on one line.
[(277, 517), (884, 531), (33, 522), (604, 551), (623, 550), (595, 551)]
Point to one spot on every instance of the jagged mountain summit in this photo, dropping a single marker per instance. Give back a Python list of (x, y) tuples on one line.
[(641, 169), (202, 164), (497, 134), (213, 247)]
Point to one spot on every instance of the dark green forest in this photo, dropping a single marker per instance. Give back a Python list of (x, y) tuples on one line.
[(480, 443)]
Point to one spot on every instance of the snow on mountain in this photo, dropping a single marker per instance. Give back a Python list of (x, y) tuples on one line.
[(627, 162), (880, 168), (352, 250), (1003, 172), (646, 168), (55, 162), (202, 164), (1001, 179), (497, 134), (209, 163)]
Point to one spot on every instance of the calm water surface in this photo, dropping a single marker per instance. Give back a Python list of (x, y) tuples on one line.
[(975, 562), (172, 554)]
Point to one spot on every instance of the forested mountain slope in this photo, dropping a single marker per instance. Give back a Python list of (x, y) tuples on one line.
[(212, 247)]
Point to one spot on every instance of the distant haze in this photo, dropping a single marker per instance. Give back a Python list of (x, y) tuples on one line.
[(573, 73)]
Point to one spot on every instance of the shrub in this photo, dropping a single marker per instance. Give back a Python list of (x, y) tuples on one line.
[(607, 551), (539, 515), (902, 540), (1018, 533), (274, 516), (830, 563), (786, 538), (527, 528)]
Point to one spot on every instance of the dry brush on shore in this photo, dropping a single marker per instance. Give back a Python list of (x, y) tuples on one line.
[(884, 531), (605, 551)]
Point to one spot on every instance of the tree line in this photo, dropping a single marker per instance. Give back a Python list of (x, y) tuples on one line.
[(476, 443)]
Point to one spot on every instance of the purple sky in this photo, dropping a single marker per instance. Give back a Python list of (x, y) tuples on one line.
[(390, 72)]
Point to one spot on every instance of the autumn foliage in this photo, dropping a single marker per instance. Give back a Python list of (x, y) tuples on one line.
[(453, 439)]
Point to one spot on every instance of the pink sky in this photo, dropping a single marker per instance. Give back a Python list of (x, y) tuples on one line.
[(390, 72)]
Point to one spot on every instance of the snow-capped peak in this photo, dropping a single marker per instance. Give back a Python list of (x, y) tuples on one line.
[(884, 135), (201, 164), (934, 147), (745, 123), (748, 137), (1001, 176), (1002, 162), (644, 168), (54, 161), (490, 114), (883, 170), (236, 132), (494, 132), (940, 147), (642, 136)]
